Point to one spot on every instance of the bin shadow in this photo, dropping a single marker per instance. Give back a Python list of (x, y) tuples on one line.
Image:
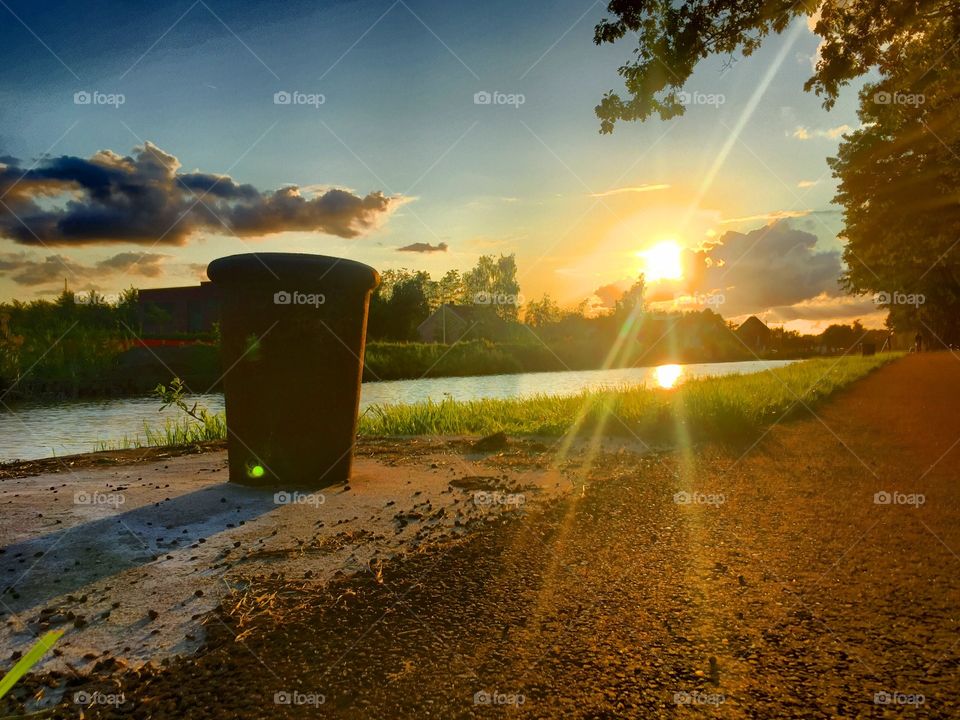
[(35, 570)]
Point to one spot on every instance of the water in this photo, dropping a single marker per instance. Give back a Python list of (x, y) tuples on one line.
[(41, 429)]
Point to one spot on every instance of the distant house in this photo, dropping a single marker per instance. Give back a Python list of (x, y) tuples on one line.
[(179, 310), (450, 323), (754, 334)]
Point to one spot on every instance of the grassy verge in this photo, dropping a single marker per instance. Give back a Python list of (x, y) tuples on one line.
[(728, 407), (719, 407)]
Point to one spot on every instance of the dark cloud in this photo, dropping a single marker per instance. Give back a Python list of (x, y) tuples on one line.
[(421, 247), (772, 266), (134, 263), (143, 198), (30, 271), (8, 160), (826, 308), (608, 295)]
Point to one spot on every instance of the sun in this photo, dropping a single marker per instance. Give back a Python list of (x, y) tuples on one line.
[(662, 261)]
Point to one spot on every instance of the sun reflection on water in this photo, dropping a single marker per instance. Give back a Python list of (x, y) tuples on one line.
[(667, 376)]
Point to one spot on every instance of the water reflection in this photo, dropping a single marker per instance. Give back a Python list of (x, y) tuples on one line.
[(667, 375), (40, 429)]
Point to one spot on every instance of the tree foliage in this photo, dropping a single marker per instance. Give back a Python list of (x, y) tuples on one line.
[(898, 172)]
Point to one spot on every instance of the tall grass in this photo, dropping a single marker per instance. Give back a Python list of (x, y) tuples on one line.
[(716, 407), (183, 431)]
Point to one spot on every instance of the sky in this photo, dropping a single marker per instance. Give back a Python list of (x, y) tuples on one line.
[(139, 142)]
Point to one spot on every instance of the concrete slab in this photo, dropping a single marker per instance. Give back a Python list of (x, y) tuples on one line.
[(132, 559)]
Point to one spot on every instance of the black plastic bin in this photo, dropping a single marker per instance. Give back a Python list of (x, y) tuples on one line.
[(293, 328)]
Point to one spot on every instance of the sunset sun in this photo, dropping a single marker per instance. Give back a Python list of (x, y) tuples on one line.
[(662, 261)]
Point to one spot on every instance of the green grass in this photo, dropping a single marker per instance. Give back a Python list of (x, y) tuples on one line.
[(719, 407), (184, 431)]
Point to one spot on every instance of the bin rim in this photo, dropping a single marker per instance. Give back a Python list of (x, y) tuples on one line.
[(279, 268)]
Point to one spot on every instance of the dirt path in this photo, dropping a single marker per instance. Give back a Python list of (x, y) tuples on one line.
[(758, 582)]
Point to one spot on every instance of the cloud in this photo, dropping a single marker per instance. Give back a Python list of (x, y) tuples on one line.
[(607, 295), (807, 183), (803, 133), (146, 264), (422, 247), (774, 215), (635, 189), (827, 307), (144, 198), (771, 267), (28, 270)]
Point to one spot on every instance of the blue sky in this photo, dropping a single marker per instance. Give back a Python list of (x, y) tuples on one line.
[(398, 81)]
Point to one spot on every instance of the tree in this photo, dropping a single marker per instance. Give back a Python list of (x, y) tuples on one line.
[(898, 173), (633, 300), (674, 36), (538, 313), (493, 281), (399, 305), (448, 289)]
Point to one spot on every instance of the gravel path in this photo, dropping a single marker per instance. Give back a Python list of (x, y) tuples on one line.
[(754, 582)]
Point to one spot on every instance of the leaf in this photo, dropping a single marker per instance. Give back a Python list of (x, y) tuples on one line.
[(42, 646)]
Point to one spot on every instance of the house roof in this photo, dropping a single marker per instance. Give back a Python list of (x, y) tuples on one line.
[(753, 325)]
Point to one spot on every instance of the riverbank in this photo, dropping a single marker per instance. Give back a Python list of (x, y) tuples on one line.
[(812, 574), (628, 402), (138, 370)]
